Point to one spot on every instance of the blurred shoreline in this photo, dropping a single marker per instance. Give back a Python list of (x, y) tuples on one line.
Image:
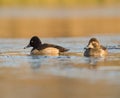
[(25, 22)]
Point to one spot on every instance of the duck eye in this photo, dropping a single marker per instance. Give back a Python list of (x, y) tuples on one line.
[(31, 41)]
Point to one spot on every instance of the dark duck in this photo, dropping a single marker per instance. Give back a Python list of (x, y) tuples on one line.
[(40, 48)]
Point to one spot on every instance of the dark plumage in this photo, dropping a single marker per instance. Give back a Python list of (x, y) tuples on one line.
[(36, 43)]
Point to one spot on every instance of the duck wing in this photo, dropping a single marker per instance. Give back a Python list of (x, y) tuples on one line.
[(103, 47), (46, 45)]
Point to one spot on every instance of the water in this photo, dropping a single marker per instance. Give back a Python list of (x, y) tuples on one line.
[(70, 75), (17, 12)]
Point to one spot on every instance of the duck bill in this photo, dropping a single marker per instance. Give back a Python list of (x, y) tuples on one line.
[(27, 46)]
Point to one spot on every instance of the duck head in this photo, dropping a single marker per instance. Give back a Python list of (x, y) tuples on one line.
[(34, 42), (93, 43)]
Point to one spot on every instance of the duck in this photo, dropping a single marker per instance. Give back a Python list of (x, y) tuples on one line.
[(40, 48), (95, 49)]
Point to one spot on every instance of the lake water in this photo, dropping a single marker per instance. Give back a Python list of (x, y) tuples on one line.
[(66, 76), (17, 12)]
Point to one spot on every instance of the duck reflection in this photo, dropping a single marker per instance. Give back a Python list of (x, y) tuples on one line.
[(92, 62), (36, 62)]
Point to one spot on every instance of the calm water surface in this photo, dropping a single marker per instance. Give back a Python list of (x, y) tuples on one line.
[(66, 76), (17, 12)]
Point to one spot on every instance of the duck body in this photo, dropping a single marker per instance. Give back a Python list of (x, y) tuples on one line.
[(44, 49), (95, 49), (48, 49)]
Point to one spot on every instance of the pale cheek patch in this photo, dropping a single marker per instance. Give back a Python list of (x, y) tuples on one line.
[(90, 46)]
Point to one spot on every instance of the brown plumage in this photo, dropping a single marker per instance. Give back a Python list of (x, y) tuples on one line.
[(95, 49)]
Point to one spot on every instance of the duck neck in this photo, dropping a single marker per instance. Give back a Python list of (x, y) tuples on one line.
[(37, 46)]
